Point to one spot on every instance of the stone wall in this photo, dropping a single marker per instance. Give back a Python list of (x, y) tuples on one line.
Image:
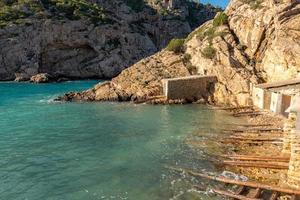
[(190, 88)]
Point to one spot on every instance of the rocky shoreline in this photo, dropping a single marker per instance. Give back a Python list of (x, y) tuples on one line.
[(248, 153), (243, 46)]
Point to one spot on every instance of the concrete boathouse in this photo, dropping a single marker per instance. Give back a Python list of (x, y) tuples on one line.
[(277, 96)]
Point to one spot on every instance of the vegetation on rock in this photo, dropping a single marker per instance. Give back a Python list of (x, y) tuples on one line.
[(254, 4), (16, 11), (176, 45), (208, 52), (220, 19)]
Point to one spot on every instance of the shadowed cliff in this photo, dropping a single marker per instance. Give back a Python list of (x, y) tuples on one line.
[(88, 38)]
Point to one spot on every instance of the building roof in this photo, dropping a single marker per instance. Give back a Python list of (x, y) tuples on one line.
[(279, 84), (288, 87)]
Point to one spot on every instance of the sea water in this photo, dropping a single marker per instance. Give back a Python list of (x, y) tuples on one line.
[(84, 151)]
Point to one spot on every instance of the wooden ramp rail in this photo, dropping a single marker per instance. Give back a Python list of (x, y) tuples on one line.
[(258, 158), (236, 130), (250, 184), (257, 164), (229, 194)]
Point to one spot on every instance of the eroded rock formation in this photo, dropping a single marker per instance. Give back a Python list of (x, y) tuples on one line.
[(251, 42), (137, 83), (87, 39)]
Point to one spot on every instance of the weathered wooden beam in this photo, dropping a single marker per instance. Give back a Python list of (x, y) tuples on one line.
[(256, 193), (250, 125), (252, 142), (233, 195), (241, 189), (258, 134), (241, 183), (233, 108), (254, 130), (256, 138), (268, 165), (294, 197), (258, 158), (274, 196)]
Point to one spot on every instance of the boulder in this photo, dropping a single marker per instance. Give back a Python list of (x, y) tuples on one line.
[(41, 78)]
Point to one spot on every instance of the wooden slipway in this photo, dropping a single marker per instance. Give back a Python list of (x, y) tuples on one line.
[(247, 190)]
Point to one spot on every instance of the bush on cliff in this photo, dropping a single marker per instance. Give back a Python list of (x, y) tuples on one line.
[(220, 19), (254, 4), (176, 45), (14, 11), (209, 52)]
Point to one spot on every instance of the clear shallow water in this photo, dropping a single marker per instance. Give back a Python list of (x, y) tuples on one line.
[(82, 151)]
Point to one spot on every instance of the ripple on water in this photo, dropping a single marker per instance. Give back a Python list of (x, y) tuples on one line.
[(79, 151)]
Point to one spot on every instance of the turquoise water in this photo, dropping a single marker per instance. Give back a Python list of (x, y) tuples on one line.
[(83, 151)]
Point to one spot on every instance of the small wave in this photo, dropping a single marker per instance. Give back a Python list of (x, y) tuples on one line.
[(49, 100)]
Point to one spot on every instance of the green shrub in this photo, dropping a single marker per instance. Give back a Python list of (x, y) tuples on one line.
[(176, 45), (191, 68), (220, 19), (198, 32), (254, 4), (209, 52), (11, 11), (186, 58), (76, 9)]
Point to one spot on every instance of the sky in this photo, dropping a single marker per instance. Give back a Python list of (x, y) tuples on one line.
[(221, 3)]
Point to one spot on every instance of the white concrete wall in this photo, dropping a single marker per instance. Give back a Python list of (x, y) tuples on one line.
[(258, 97), (276, 101)]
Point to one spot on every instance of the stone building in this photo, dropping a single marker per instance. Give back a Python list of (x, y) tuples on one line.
[(190, 88)]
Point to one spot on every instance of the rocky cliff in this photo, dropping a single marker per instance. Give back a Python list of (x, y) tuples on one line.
[(88, 38), (253, 41)]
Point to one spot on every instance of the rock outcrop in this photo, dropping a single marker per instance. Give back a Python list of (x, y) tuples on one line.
[(88, 39), (251, 42), (137, 83), (41, 78)]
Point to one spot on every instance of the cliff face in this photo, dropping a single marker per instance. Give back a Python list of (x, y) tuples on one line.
[(251, 42), (88, 38)]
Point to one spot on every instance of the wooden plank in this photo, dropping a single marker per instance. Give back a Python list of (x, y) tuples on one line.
[(256, 193), (268, 165), (250, 125), (240, 190), (248, 114), (237, 182), (274, 196), (294, 197), (257, 138), (258, 158), (232, 195), (251, 142), (258, 134), (254, 130), (232, 108)]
